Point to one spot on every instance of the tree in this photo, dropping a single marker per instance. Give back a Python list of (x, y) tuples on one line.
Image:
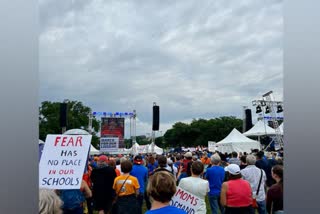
[(77, 118)]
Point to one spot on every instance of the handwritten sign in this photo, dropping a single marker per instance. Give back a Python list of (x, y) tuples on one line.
[(186, 201), (109, 144), (63, 161)]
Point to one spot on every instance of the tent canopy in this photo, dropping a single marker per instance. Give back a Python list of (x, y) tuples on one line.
[(260, 129), (94, 151), (237, 142), (281, 128), (76, 132)]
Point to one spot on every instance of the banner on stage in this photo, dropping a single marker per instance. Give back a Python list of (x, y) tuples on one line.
[(109, 144), (186, 201), (63, 161)]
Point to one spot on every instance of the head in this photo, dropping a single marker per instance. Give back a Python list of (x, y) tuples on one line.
[(102, 161), (233, 171), (138, 160), (197, 168), (260, 155), (126, 166), (251, 160), (215, 159), (243, 159), (234, 154), (112, 163), (188, 156), (151, 160), (162, 161), (49, 202), (277, 172), (161, 186)]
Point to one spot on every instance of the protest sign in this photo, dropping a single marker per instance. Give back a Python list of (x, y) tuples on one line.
[(186, 201), (211, 146), (109, 144), (63, 161)]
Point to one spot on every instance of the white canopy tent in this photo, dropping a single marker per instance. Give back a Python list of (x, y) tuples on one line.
[(136, 149), (281, 128), (94, 151), (41, 141), (260, 129), (237, 142)]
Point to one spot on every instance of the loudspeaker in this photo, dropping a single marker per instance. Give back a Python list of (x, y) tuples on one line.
[(248, 119), (63, 114), (155, 118)]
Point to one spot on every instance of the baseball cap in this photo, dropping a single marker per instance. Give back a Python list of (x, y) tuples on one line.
[(103, 158), (233, 169), (188, 155), (138, 159)]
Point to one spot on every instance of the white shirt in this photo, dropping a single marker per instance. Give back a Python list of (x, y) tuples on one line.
[(198, 187), (252, 174), (175, 170)]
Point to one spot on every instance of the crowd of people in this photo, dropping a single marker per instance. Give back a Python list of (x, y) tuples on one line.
[(119, 184)]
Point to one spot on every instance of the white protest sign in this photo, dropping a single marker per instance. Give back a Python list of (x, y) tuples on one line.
[(186, 201), (109, 144), (63, 161), (211, 146)]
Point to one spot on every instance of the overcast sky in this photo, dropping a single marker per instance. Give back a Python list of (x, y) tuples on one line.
[(196, 59)]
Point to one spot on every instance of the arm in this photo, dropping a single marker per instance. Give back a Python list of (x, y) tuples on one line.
[(86, 189), (223, 194)]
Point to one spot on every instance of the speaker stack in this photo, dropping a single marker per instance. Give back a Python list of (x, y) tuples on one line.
[(248, 124), (155, 118)]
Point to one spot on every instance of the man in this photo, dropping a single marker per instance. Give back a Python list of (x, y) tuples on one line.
[(102, 181), (234, 159), (264, 164), (141, 173), (185, 166), (215, 175), (253, 175)]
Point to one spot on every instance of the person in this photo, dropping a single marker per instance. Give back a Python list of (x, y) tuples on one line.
[(161, 188), (152, 165), (102, 180), (112, 163), (263, 163), (234, 159), (126, 188), (253, 174), (162, 165), (49, 202), (236, 194), (196, 185), (73, 199), (141, 173), (171, 167), (243, 163), (87, 178), (215, 176), (275, 193)]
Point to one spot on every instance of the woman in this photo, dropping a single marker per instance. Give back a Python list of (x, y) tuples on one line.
[(49, 202), (126, 188), (161, 188), (275, 193), (196, 185), (236, 194)]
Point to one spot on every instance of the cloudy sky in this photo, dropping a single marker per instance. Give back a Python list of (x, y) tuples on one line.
[(196, 59)]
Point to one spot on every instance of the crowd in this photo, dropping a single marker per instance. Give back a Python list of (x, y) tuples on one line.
[(234, 183)]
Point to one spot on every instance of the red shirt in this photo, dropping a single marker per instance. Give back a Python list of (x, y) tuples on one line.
[(239, 193)]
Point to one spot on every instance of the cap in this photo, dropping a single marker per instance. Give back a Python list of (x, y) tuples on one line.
[(169, 161), (233, 169), (103, 158), (188, 155), (138, 159)]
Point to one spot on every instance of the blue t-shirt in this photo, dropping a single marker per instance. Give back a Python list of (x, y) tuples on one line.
[(215, 176), (141, 173), (166, 210)]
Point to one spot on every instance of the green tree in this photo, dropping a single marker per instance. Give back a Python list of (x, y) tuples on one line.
[(77, 118)]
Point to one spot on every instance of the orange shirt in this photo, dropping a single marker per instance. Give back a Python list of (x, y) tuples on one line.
[(205, 161), (117, 172), (129, 188)]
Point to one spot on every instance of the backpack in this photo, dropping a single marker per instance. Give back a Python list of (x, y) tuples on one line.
[(72, 198)]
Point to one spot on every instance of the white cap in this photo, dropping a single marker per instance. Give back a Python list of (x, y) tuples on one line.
[(233, 169), (169, 161), (188, 155)]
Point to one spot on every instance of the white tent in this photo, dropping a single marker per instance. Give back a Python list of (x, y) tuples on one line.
[(260, 129), (237, 142), (281, 128), (41, 141), (76, 132), (94, 151)]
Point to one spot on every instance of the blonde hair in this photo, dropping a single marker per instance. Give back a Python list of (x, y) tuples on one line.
[(161, 186), (49, 202)]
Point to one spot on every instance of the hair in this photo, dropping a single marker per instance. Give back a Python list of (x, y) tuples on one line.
[(260, 154), (197, 167), (161, 186), (234, 177), (234, 154), (243, 158), (278, 170), (215, 159), (126, 166), (112, 163), (151, 160), (251, 160), (178, 157), (49, 202), (162, 161), (123, 159)]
